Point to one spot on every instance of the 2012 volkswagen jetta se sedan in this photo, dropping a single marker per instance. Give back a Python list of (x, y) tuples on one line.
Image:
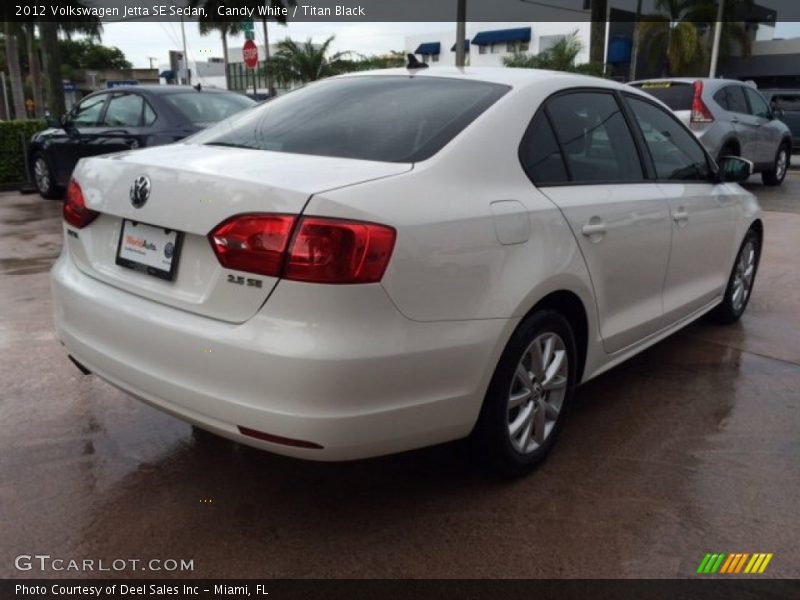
[(383, 261)]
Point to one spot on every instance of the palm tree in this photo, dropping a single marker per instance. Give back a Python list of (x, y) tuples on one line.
[(224, 28), (35, 67), (300, 63), (51, 58), (561, 56), (14, 70), (672, 35)]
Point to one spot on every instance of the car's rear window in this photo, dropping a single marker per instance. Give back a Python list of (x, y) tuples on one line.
[(202, 108), (381, 118), (788, 102), (678, 96)]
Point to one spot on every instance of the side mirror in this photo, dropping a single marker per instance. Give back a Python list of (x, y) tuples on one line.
[(735, 168), (777, 113), (53, 122)]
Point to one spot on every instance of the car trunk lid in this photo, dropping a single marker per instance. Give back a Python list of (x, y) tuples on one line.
[(193, 188)]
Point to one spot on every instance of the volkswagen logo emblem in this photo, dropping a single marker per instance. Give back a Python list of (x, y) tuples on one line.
[(140, 191)]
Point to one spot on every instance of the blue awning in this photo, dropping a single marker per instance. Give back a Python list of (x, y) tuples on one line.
[(501, 36), (168, 75), (429, 48), (466, 46)]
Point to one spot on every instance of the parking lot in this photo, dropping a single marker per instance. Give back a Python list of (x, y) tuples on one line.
[(691, 447)]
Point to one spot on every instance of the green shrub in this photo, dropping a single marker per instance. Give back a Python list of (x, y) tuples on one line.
[(12, 148)]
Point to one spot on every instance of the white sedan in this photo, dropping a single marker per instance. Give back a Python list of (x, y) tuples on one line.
[(389, 260)]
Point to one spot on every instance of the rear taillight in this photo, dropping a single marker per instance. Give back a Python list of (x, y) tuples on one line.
[(700, 112), (334, 251), (253, 243), (313, 249), (75, 211)]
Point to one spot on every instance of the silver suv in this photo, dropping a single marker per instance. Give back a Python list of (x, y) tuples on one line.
[(730, 118)]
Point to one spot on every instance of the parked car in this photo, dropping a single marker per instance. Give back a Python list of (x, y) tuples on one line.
[(786, 106), (120, 119), (382, 261), (731, 118)]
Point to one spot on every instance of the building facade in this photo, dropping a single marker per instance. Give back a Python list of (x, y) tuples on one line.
[(488, 43)]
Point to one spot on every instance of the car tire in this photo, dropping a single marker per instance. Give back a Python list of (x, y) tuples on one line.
[(529, 395), (777, 173), (740, 283), (44, 179)]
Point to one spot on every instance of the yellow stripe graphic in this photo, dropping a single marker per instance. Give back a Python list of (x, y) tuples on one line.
[(753, 562), (766, 562)]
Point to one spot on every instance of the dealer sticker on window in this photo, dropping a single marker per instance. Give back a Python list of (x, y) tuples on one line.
[(153, 250)]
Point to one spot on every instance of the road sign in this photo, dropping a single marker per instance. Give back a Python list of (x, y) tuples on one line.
[(249, 30), (250, 54)]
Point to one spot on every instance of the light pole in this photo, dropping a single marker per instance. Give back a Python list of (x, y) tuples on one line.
[(712, 71)]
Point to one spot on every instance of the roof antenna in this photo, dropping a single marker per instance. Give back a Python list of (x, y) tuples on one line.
[(198, 87), (413, 63)]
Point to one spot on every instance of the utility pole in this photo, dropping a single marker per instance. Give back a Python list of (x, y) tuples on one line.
[(151, 59), (461, 32), (188, 79), (712, 71)]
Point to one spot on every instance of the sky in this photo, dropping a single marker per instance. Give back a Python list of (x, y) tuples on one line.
[(140, 41)]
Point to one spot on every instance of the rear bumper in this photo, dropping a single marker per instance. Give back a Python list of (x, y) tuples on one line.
[(337, 366)]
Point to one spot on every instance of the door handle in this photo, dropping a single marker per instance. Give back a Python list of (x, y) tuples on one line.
[(591, 229), (734, 120)]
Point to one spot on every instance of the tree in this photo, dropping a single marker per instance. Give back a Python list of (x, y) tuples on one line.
[(34, 67), (561, 56), (300, 63), (87, 54), (672, 37), (224, 28), (51, 59), (14, 69)]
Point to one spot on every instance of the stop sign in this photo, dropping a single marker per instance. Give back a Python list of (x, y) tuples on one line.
[(250, 54)]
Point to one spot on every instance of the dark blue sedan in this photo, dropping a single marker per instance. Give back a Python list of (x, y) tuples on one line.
[(123, 118)]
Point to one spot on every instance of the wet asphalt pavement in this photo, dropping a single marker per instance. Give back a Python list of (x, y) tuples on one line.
[(691, 447)]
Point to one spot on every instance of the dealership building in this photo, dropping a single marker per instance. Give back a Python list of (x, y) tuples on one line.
[(772, 62)]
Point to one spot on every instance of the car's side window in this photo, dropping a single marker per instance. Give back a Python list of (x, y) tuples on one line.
[(758, 106), (87, 112), (592, 131), (149, 114), (736, 99), (721, 98), (124, 110), (540, 155), (676, 153)]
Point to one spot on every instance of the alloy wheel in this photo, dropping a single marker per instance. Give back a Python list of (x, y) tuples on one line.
[(781, 164), (537, 392), (743, 275), (42, 175)]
